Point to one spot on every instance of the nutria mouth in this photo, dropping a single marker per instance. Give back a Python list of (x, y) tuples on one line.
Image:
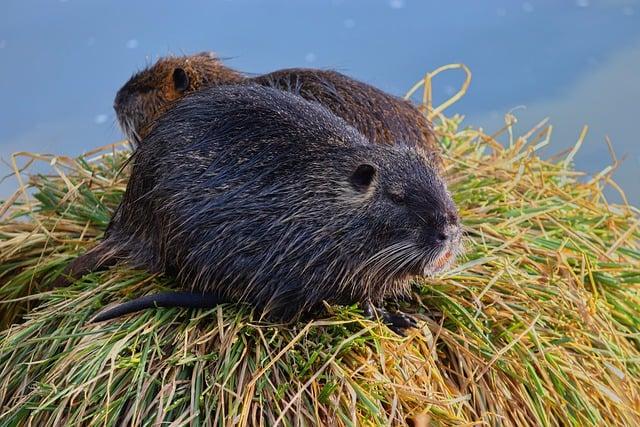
[(427, 263), (442, 260)]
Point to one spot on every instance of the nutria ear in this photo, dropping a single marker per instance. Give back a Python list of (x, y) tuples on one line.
[(363, 176), (180, 80)]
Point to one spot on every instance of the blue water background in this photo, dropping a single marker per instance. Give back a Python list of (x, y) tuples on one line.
[(577, 62)]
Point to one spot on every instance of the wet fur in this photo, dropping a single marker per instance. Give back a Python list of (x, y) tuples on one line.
[(382, 118), (244, 192)]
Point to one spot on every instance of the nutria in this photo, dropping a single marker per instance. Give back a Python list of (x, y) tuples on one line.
[(148, 93), (380, 117), (250, 194)]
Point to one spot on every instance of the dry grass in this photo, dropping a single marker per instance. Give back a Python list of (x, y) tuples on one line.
[(539, 324)]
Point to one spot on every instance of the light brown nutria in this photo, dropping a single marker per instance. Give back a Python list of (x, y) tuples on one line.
[(380, 117), (148, 93), (251, 194)]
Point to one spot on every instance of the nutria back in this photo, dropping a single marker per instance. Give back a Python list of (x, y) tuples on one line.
[(259, 196), (380, 117)]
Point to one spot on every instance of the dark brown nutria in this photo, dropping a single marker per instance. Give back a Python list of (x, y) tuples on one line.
[(380, 117), (251, 194)]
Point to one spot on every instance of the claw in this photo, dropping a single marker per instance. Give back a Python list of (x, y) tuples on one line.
[(398, 322)]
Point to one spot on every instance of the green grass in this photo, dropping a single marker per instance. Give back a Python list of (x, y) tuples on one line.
[(538, 323)]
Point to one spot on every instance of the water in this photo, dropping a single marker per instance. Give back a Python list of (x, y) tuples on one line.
[(577, 62)]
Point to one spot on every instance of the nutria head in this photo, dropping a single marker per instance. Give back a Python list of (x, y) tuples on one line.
[(150, 92), (413, 210), (266, 198)]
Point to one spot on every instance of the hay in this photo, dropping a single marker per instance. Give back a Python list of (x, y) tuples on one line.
[(538, 324)]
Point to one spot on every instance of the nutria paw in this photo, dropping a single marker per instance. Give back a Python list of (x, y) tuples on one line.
[(397, 321)]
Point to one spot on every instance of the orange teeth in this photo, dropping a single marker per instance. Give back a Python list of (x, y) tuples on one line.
[(442, 260)]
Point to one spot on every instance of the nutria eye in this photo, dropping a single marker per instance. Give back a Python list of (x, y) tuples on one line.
[(363, 176), (180, 80), (397, 198)]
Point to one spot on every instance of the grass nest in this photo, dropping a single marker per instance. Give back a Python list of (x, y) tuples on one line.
[(539, 323)]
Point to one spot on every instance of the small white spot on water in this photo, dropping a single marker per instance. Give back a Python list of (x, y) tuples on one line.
[(310, 57), (527, 7), (349, 23), (449, 90), (132, 44), (582, 3), (100, 119), (396, 4)]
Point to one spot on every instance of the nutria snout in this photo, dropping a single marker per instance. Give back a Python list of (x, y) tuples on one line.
[(251, 194)]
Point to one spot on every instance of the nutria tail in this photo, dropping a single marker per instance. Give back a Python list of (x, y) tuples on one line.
[(100, 257), (166, 299)]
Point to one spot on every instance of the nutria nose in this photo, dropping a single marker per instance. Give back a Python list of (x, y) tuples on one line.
[(442, 237), (448, 232)]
